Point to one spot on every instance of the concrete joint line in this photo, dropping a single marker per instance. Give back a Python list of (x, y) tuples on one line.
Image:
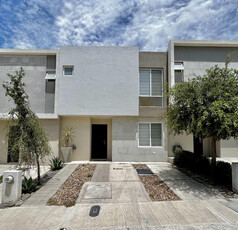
[(69, 213), (217, 213)]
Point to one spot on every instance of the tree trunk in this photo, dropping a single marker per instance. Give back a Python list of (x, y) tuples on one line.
[(38, 169), (214, 151)]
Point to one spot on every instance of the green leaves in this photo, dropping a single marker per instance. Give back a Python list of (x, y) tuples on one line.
[(28, 185), (206, 105), (30, 140), (56, 164)]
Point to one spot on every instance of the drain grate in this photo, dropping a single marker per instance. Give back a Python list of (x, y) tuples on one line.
[(94, 211), (144, 171)]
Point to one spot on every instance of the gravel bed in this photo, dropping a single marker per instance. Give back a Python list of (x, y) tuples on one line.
[(157, 189), (140, 166), (69, 191)]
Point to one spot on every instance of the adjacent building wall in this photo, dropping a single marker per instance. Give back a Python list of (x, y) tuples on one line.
[(3, 142), (35, 67), (229, 148), (51, 127), (197, 59), (186, 142), (104, 82), (125, 141)]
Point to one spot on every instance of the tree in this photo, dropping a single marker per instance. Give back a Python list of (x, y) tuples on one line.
[(206, 106), (30, 140)]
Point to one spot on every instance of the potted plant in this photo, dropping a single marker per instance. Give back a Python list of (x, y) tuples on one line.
[(67, 136)]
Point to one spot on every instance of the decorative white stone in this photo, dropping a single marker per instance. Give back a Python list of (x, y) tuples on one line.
[(66, 152), (11, 186), (235, 177)]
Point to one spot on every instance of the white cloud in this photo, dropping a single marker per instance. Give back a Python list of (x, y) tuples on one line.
[(149, 24)]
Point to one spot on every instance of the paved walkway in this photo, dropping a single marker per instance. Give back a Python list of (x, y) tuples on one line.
[(114, 183), (185, 187), (124, 204), (42, 195)]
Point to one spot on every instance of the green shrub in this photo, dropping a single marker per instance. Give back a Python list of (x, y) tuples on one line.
[(176, 148), (183, 158), (56, 163), (222, 173), (28, 185), (0, 179), (193, 162)]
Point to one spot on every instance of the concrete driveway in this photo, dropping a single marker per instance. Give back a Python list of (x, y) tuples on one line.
[(124, 204)]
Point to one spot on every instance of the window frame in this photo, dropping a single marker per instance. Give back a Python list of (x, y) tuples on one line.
[(150, 146), (150, 69), (181, 70), (68, 66)]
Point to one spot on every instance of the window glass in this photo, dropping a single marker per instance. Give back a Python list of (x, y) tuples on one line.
[(68, 71), (156, 135), (150, 134), (178, 76), (145, 82), (156, 78), (144, 135)]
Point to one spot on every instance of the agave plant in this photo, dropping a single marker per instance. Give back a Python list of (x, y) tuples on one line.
[(56, 164), (28, 185), (67, 135)]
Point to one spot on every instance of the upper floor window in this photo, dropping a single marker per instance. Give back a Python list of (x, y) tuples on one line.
[(151, 81), (178, 72), (68, 70)]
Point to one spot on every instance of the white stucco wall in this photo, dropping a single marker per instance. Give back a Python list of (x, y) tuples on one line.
[(105, 81), (229, 148)]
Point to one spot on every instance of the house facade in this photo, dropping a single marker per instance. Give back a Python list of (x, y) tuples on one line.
[(112, 97)]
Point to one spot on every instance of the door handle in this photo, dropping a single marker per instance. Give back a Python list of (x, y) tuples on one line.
[(104, 142)]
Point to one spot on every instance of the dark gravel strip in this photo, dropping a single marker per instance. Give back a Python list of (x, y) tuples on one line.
[(69, 191), (157, 189)]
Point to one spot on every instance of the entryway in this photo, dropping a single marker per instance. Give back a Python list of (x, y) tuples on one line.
[(99, 142)]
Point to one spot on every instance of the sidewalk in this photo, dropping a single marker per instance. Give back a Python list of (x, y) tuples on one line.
[(124, 204), (47, 191), (143, 215), (185, 187)]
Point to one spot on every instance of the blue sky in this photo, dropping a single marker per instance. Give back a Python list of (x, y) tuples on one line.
[(150, 24)]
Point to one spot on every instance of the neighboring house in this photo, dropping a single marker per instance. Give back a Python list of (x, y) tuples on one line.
[(188, 59), (112, 97)]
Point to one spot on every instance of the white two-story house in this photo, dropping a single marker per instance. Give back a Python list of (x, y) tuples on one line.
[(112, 97)]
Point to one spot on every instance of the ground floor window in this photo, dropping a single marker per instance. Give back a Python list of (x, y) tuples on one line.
[(150, 134)]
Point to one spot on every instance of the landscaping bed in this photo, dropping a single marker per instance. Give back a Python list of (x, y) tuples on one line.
[(69, 191), (157, 189)]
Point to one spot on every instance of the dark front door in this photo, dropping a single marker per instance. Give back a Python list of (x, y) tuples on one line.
[(198, 145), (99, 142)]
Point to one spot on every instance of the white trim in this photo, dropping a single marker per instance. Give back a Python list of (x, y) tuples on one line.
[(178, 66), (150, 122), (50, 76)]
